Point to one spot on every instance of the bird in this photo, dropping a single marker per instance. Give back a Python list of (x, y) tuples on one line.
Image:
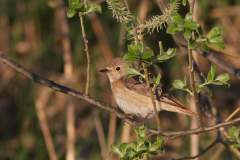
[(133, 97)]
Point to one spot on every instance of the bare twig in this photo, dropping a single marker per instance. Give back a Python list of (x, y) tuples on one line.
[(100, 134), (147, 79), (100, 104), (204, 151), (233, 114), (40, 104), (88, 56), (223, 52)]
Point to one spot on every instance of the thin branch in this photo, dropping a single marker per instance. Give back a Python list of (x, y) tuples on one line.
[(204, 151), (233, 114), (88, 56), (223, 52), (147, 78), (100, 104), (195, 95)]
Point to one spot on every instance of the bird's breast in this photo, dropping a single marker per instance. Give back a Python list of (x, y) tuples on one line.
[(130, 101)]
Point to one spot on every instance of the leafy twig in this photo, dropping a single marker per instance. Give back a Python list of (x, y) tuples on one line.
[(146, 77)]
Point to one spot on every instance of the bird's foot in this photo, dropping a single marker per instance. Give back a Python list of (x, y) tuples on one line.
[(142, 121)]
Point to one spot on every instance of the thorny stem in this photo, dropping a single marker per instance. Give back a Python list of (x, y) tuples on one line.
[(197, 104), (88, 56), (146, 77)]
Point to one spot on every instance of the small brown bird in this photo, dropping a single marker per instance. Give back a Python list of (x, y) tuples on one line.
[(134, 98)]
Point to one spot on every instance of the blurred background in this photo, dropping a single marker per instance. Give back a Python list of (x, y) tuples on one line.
[(38, 123)]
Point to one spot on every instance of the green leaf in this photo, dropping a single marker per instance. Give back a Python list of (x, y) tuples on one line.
[(131, 70), (159, 139), (147, 55), (223, 78), (218, 45), (185, 80), (173, 1), (94, 8), (200, 31), (128, 57), (204, 47), (173, 29), (187, 34), (189, 17), (129, 75), (213, 71), (123, 148), (191, 25), (208, 90), (215, 32), (178, 84), (79, 6), (155, 146), (71, 13), (148, 158), (116, 150), (216, 82), (141, 79), (171, 51), (209, 77), (158, 78), (217, 40), (132, 49), (140, 46), (184, 2), (192, 44), (176, 19), (198, 89), (188, 97), (143, 131)]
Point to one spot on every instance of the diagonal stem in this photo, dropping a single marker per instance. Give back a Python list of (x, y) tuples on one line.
[(146, 75), (195, 95)]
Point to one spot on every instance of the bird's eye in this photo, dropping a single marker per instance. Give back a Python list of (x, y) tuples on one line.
[(118, 68)]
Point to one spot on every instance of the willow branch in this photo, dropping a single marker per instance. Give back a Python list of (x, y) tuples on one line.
[(88, 56), (101, 104), (195, 95), (146, 77), (204, 151)]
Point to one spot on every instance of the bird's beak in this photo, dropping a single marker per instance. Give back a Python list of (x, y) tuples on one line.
[(104, 70)]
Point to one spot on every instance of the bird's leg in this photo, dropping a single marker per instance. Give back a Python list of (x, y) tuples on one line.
[(141, 122), (125, 115)]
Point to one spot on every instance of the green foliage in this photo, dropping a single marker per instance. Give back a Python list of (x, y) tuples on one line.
[(212, 78), (179, 24), (158, 22), (182, 85), (137, 150), (148, 57), (119, 11), (84, 8), (214, 37), (235, 136)]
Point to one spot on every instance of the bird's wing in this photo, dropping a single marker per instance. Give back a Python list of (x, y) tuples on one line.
[(161, 94)]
